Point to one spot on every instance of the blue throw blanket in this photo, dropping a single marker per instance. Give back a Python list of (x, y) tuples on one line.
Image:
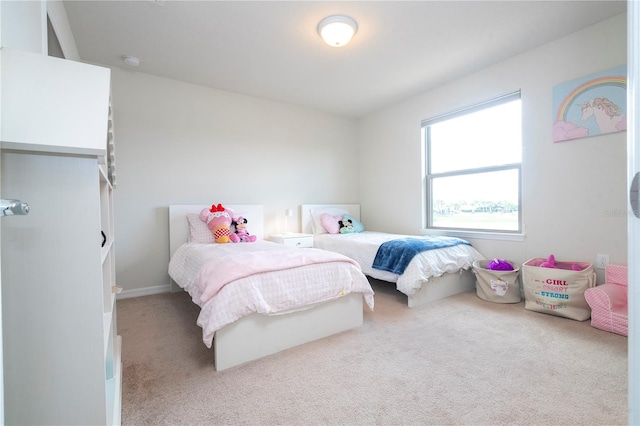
[(395, 255)]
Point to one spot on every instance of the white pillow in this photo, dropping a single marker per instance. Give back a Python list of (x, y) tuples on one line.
[(316, 220), (199, 232)]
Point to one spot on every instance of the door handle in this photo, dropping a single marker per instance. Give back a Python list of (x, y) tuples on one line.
[(13, 207), (634, 195)]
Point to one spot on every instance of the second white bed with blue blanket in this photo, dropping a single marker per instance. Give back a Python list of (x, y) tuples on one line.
[(424, 268)]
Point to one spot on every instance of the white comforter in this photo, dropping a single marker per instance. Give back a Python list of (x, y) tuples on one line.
[(268, 292), (362, 247)]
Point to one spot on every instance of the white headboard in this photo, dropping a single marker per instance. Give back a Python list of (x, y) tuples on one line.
[(305, 213), (179, 227)]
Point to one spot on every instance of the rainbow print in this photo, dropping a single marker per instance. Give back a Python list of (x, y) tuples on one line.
[(591, 105), (614, 80)]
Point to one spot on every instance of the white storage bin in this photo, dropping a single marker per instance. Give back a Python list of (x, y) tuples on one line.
[(497, 286), (558, 291)]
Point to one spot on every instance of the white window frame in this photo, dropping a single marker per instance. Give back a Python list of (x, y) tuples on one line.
[(428, 177)]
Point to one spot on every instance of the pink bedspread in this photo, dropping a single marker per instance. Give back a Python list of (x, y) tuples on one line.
[(271, 292), (220, 271)]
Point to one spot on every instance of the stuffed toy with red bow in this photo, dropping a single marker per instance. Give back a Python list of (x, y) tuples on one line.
[(241, 234), (218, 220)]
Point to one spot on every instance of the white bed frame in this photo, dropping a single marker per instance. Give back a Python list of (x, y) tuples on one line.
[(435, 289), (256, 336)]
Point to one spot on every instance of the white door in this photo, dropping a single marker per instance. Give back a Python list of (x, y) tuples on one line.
[(1, 359), (1, 350), (633, 153), (7, 208)]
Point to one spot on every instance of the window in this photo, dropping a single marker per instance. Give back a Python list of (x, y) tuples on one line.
[(473, 168)]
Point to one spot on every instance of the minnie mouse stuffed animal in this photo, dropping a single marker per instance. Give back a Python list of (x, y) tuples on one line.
[(241, 233)]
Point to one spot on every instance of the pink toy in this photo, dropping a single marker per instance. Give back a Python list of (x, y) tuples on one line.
[(499, 265), (241, 233), (551, 263), (218, 221)]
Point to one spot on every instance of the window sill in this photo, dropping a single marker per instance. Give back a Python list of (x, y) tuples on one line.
[(483, 235)]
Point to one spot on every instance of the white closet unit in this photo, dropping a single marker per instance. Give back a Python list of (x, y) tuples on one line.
[(61, 349), (53, 104)]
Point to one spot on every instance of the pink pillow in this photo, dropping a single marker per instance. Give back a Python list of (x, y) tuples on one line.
[(199, 232), (330, 223)]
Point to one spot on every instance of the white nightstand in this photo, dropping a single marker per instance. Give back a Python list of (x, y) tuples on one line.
[(293, 239)]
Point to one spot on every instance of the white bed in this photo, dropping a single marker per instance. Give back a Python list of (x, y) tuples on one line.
[(431, 275), (261, 323)]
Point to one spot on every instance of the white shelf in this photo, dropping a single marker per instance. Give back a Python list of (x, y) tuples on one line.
[(113, 386), (107, 322), (103, 168), (76, 293), (106, 249)]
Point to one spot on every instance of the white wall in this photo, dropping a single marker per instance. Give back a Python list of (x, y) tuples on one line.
[(178, 143), (569, 188), (24, 25)]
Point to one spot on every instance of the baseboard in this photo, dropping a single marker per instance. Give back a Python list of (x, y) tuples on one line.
[(146, 291)]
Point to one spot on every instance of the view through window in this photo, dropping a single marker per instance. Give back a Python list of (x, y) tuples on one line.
[(473, 167)]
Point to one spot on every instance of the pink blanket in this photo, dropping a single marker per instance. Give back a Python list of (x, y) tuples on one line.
[(220, 271)]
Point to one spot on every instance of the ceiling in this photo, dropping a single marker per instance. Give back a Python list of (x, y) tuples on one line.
[(271, 49)]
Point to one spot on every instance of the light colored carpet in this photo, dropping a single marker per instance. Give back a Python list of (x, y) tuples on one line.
[(458, 361)]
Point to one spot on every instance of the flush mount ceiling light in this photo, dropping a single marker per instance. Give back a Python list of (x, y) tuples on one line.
[(132, 61), (337, 30)]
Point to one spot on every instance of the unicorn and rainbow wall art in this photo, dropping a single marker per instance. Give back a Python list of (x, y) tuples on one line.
[(590, 106)]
